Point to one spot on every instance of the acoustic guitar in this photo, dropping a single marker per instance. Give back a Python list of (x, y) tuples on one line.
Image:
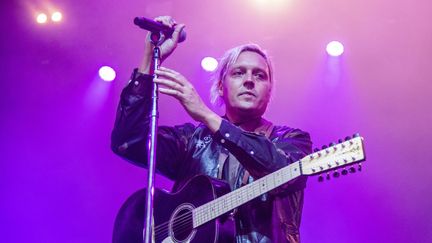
[(198, 212)]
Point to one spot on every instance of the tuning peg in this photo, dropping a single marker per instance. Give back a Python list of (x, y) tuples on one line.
[(333, 145), (359, 167), (328, 176), (336, 174), (324, 147), (356, 135), (347, 138), (352, 170), (344, 172), (341, 143), (320, 178)]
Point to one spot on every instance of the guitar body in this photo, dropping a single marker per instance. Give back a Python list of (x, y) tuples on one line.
[(172, 215)]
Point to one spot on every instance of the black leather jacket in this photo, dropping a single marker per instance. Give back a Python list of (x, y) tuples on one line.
[(187, 150)]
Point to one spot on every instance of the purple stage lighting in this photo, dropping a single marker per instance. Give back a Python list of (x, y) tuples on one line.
[(335, 48), (209, 64), (107, 73), (41, 18), (56, 17)]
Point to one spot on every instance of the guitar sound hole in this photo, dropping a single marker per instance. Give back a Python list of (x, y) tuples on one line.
[(182, 224)]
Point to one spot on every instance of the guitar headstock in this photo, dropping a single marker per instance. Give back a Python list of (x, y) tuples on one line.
[(331, 158)]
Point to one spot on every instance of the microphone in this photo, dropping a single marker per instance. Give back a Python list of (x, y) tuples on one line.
[(154, 26)]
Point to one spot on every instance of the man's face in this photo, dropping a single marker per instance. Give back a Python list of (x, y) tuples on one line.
[(246, 88)]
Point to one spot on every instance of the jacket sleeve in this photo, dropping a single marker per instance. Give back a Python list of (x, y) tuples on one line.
[(260, 156), (129, 138)]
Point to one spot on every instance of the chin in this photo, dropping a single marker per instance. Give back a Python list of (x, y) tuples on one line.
[(250, 111)]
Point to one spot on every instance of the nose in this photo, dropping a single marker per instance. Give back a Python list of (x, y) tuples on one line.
[(249, 81)]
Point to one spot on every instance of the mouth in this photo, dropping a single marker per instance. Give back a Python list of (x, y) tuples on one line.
[(247, 93)]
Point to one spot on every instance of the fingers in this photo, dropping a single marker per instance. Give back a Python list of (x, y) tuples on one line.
[(166, 20), (177, 86), (171, 88), (170, 22), (173, 82), (164, 70), (170, 92), (172, 75), (169, 84), (176, 34)]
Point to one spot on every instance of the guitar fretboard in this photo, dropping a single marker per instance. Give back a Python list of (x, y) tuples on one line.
[(234, 199)]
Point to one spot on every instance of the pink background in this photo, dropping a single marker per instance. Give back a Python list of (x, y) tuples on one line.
[(60, 182)]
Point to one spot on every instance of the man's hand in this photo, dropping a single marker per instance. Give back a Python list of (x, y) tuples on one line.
[(166, 48), (176, 85)]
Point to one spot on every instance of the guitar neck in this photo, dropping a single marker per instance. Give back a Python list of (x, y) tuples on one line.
[(234, 199)]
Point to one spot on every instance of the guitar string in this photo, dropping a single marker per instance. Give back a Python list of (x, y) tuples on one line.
[(179, 226), (182, 217), (182, 220), (179, 229), (181, 223)]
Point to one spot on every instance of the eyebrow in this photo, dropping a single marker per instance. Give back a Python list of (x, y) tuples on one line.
[(233, 67)]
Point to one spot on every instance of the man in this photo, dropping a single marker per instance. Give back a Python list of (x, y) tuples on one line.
[(239, 147)]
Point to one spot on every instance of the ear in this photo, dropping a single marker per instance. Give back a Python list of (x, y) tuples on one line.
[(220, 89)]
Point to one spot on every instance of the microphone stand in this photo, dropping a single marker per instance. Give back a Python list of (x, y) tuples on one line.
[(148, 236)]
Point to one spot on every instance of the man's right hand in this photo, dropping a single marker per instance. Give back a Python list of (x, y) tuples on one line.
[(166, 48)]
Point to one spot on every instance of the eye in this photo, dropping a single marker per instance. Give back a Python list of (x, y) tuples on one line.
[(237, 73), (261, 76)]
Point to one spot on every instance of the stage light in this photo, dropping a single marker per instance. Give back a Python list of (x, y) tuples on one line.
[(335, 48), (273, 6), (56, 17), (209, 64), (274, 2), (41, 18), (107, 73)]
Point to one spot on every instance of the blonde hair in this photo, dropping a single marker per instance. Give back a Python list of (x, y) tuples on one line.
[(228, 59)]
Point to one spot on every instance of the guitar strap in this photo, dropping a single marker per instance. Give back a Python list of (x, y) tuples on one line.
[(265, 129)]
